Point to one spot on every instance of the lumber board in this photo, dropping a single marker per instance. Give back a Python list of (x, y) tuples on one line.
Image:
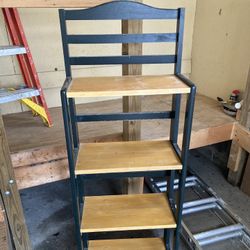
[(3, 230), (242, 137), (12, 202), (126, 212), (131, 244), (245, 185), (132, 129), (50, 3), (238, 156), (133, 156)]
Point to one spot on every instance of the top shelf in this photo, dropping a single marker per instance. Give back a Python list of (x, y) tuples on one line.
[(126, 86)]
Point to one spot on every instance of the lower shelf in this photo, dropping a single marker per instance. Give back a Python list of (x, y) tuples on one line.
[(125, 244), (126, 212)]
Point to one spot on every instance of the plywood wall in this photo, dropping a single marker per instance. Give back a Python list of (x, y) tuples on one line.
[(43, 34), (221, 46)]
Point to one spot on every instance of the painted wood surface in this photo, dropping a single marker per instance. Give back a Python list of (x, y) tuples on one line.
[(126, 212), (11, 199)]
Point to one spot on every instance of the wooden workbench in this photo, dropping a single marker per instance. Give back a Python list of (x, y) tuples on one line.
[(39, 154)]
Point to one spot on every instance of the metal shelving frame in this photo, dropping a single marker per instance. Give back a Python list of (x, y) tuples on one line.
[(126, 10)]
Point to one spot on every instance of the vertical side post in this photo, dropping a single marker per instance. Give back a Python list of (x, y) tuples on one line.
[(176, 103), (184, 159), (71, 161), (11, 197), (132, 129)]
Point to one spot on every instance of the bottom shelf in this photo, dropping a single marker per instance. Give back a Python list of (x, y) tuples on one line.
[(125, 244)]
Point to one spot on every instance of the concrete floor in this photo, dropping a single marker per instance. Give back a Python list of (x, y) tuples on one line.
[(48, 208)]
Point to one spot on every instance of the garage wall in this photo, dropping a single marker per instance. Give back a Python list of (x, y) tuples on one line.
[(42, 31), (221, 46)]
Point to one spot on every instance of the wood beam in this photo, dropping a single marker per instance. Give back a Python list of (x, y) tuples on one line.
[(3, 230), (238, 156), (11, 197), (245, 185), (132, 129), (50, 3)]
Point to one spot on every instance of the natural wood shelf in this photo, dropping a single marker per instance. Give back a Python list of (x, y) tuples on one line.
[(132, 156), (125, 244), (126, 212), (126, 86)]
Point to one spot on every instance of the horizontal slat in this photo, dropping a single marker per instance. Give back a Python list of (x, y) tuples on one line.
[(121, 10), (126, 86), (120, 157), (102, 60), (125, 244), (126, 212), (125, 116), (121, 38)]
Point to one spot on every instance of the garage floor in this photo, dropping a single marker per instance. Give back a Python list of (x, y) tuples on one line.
[(48, 208)]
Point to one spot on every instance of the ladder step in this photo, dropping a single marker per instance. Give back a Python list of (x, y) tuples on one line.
[(132, 156), (126, 86), (125, 244), (14, 95), (11, 50), (126, 212)]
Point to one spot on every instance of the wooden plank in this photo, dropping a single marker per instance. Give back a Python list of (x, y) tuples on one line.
[(50, 3), (126, 85), (238, 156), (3, 230), (131, 244), (209, 136), (133, 156), (245, 185), (242, 137), (12, 202), (126, 212)]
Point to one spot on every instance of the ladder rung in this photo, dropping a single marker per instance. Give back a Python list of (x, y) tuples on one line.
[(11, 50), (14, 95)]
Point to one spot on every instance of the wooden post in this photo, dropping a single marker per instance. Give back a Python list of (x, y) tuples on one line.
[(132, 129), (10, 195), (238, 156), (3, 230)]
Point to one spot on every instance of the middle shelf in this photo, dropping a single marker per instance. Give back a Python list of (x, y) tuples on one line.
[(126, 212), (128, 156)]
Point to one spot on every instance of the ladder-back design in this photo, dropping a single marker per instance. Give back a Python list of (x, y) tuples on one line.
[(122, 10), (126, 159)]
